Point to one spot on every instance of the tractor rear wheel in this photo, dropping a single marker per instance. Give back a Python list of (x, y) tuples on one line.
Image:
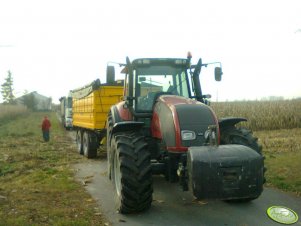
[(131, 172)]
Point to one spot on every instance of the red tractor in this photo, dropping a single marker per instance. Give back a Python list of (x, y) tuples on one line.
[(164, 126)]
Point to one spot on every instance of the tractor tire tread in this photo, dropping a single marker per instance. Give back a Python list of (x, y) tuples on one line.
[(135, 167), (243, 136)]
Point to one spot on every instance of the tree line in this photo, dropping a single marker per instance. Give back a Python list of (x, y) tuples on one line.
[(7, 92)]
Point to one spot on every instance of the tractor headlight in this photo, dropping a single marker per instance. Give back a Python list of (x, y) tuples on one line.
[(188, 135)]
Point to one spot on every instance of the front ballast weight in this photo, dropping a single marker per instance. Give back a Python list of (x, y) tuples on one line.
[(225, 172)]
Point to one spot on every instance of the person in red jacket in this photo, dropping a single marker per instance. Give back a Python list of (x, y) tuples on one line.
[(45, 128)]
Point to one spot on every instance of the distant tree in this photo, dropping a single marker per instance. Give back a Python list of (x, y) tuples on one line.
[(7, 90), (30, 101), (275, 98)]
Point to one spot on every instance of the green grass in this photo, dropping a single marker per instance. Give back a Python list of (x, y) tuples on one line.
[(282, 149), (37, 180)]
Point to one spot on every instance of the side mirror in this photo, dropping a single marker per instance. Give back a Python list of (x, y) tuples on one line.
[(110, 74), (218, 73)]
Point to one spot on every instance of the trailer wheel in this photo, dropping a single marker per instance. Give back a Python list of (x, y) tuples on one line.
[(89, 147), (79, 142), (131, 172)]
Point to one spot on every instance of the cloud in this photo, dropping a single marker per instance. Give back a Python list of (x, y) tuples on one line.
[(299, 30)]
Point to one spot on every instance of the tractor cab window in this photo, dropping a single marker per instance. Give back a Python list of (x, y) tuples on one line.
[(158, 80)]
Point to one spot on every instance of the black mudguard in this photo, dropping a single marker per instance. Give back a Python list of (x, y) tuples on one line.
[(231, 121), (225, 172), (127, 126)]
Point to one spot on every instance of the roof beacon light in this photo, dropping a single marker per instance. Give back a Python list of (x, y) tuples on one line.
[(189, 56)]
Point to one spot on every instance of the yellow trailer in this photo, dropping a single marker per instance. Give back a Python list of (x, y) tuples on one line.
[(90, 107)]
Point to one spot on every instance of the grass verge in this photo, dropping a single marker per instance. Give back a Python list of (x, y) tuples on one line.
[(36, 178), (282, 149)]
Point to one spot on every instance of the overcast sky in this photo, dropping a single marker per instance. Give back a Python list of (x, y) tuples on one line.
[(54, 46)]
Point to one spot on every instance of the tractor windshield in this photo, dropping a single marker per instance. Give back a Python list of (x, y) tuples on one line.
[(157, 80)]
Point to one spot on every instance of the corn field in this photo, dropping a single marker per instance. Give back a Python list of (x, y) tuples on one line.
[(263, 115)]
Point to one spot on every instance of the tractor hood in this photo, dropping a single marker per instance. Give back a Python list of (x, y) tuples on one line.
[(181, 122)]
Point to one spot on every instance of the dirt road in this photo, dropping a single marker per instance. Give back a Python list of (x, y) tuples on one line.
[(173, 207)]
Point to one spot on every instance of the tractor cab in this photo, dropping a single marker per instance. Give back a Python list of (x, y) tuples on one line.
[(155, 77), (148, 78)]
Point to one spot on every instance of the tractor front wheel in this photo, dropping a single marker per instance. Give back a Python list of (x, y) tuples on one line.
[(242, 136), (109, 133), (131, 172)]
